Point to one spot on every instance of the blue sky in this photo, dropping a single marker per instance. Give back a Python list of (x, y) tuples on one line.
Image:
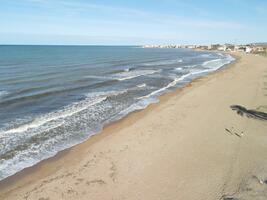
[(124, 22)]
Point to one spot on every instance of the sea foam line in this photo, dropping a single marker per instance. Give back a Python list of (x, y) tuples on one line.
[(165, 62), (227, 60), (91, 99), (69, 111), (134, 74), (171, 84)]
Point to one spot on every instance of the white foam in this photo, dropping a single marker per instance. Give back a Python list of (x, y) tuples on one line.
[(205, 55), (210, 63), (66, 112), (3, 93), (171, 84), (142, 104), (105, 93), (212, 66), (164, 62), (179, 68), (51, 146), (189, 66), (133, 74), (48, 148), (127, 78), (34, 155), (217, 63), (91, 100), (141, 85), (78, 107), (98, 77)]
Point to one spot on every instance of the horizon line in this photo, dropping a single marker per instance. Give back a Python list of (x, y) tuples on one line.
[(125, 44)]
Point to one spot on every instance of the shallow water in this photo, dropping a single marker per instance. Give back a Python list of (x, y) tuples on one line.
[(53, 97)]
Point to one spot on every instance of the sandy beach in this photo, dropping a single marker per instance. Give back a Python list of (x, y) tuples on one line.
[(191, 145)]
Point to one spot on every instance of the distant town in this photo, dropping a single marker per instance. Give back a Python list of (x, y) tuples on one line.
[(257, 48)]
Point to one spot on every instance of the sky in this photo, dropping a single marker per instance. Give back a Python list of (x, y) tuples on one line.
[(135, 22)]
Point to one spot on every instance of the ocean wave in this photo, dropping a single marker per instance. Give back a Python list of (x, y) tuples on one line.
[(122, 69), (178, 68), (139, 105), (190, 66), (213, 65), (210, 63), (90, 100), (3, 93), (206, 55), (40, 94), (207, 66), (106, 93), (31, 140), (133, 74), (141, 85), (171, 84), (66, 112), (124, 74), (217, 63), (44, 136), (220, 54), (97, 77), (128, 69), (29, 90), (164, 62)]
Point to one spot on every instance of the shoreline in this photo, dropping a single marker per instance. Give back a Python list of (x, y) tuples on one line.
[(161, 99), (73, 155), (67, 112)]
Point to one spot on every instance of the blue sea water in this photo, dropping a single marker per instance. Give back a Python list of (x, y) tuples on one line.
[(53, 97)]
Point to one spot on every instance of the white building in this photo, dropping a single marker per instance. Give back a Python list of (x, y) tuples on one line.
[(248, 49), (222, 48)]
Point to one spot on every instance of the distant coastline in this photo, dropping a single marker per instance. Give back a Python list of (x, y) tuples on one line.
[(254, 48)]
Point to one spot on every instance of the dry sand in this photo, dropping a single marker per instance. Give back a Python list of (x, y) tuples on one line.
[(190, 146)]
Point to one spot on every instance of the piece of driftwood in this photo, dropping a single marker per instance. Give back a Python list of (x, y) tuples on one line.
[(249, 113)]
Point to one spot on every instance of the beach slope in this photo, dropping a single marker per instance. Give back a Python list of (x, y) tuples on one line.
[(192, 145)]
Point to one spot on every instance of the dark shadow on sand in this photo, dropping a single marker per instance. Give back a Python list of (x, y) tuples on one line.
[(249, 113)]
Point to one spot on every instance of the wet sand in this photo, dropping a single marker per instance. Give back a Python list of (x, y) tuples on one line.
[(191, 145)]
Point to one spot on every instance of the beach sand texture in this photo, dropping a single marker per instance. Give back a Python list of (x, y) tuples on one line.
[(191, 145)]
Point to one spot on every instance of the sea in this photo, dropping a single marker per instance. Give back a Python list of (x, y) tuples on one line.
[(54, 97)]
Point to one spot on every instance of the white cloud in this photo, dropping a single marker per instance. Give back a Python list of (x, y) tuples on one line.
[(141, 16)]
